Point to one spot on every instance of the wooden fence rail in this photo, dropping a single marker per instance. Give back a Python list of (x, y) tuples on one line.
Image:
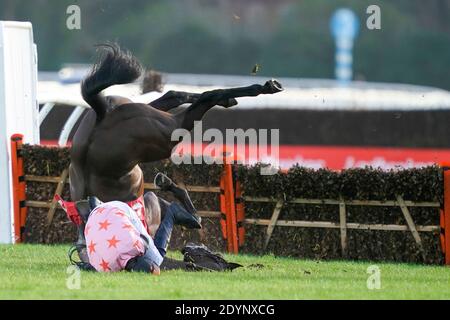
[(343, 225), (61, 180), (148, 186)]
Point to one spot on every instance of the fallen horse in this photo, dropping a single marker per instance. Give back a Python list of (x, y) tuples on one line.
[(117, 134)]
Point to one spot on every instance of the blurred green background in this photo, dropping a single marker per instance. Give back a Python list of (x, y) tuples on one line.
[(286, 37)]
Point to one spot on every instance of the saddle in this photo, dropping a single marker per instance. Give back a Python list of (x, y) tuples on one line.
[(200, 257), (196, 257)]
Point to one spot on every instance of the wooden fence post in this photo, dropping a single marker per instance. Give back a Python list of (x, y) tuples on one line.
[(411, 225), (59, 190), (343, 227), (273, 222)]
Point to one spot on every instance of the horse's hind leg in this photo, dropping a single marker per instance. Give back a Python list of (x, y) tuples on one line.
[(209, 99), (173, 99)]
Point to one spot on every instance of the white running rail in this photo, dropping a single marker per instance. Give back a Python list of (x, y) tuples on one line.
[(18, 107)]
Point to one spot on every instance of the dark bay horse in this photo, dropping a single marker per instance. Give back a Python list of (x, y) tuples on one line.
[(117, 134)]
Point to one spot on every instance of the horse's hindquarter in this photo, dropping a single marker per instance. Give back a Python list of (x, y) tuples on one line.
[(112, 166), (128, 135), (142, 131), (99, 165)]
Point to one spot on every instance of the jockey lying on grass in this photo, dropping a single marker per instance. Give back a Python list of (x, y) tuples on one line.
[(116, 234), (117, 240)]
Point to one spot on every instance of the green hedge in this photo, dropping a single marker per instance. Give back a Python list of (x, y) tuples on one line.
[(423, 184)]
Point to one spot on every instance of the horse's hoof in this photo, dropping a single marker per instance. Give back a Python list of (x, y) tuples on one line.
[(272, 86), (232, 102), (228, 103)]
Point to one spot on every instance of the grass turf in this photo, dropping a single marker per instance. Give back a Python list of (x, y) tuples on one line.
[(40, 272)]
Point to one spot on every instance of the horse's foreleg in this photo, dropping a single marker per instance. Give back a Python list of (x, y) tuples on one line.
[(209, 99)]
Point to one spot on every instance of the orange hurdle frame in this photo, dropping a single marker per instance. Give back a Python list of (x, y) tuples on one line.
[(18, 187), (445, 216), (230, 210), (231, 206)]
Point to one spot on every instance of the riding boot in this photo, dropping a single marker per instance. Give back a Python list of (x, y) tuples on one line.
[(181, 216), (188, 219), (183, 196)]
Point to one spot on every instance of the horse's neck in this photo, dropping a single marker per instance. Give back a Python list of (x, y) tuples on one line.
[(140, 180), (127, 187), (133, 181)]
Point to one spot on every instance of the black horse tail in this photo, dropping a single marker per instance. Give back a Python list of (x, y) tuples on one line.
[(114, 66)]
